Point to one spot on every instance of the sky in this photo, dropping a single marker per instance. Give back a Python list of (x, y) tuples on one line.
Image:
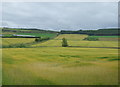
[(60, 15)]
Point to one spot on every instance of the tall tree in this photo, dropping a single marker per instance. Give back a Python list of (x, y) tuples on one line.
[(64, 42)]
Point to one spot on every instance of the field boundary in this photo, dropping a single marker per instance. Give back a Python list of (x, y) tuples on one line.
[(79, 47)]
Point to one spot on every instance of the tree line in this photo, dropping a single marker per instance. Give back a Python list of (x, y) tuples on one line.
[(100, 32)]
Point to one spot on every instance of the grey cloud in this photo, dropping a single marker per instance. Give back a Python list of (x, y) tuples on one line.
[(61, 15)]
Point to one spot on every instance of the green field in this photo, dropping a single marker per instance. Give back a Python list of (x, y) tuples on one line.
[(106, 36), (50, 65)]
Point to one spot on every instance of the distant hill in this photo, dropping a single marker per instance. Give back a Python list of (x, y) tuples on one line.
[(99, 32), (26, 30), (27, 33)]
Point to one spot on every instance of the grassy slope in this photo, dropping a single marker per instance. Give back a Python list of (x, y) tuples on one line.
[(60, 66), (76, 40)]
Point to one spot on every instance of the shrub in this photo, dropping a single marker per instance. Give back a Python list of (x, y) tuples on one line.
[(64, 42), (37, 39), (91, 38), (41, 39)]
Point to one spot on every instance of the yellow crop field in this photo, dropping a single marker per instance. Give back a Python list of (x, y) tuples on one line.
[(77, 40), (71, 36)]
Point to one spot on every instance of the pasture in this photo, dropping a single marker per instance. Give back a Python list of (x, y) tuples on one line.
[(105, 36), (45, 64)]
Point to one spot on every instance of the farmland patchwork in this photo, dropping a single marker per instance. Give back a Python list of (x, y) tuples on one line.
[(47, 63)]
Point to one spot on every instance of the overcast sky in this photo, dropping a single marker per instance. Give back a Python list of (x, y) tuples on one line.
[(60, 15)]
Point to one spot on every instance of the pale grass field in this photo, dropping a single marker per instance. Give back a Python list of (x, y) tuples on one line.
[(10, 41), (72, 36), (60, 66)]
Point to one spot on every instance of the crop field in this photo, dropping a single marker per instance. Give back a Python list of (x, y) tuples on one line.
[(51, 64), (60, 66), (71, 37), (77, 40)]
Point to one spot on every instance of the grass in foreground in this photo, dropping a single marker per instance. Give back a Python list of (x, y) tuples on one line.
[(60, 66)]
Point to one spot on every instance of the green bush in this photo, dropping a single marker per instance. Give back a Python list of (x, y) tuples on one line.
[(91, 38), (37, 39), (41, 39), (64, 42)]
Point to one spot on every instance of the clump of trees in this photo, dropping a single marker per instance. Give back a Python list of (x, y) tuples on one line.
[(41, 39), (64, 42), (91, 38)]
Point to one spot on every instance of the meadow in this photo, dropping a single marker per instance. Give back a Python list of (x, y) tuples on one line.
[(47, 63)]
